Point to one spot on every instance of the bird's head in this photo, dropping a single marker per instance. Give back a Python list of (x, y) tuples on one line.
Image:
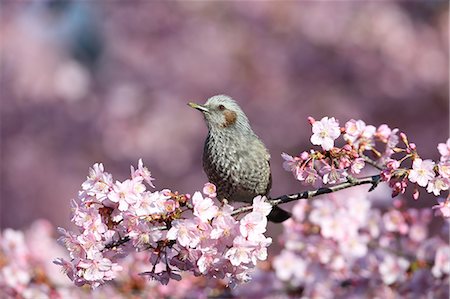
[(222, 112)]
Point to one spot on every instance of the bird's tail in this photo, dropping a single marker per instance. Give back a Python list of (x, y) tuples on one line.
[(278, 215)]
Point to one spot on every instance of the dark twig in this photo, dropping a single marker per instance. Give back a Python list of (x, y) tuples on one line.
[(117, 243), (373, 180), (125, 239)]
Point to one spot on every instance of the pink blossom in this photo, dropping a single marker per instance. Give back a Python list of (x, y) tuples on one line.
[(392, 164), (444, 150), (305, 155), (354, 246), (253, 224), (204, 208), (290, 267), (393, 139), (82, 216), (309, 176), (441, 261), (398, 186), (224, 228), (171, 206), (357, 165), (332, 175), (383, 132), (444, 169), (207, 260), (368, 132), (260, 205), (204, 230), (338, 226), (373, 223), (292, 164), (358, 209), (98, 183), (67, 267), (97, 228), (126, 193), (89, 244), (13, 243), (209, 190), (322, 210), (353, 129), (185, 232), (240, 253), (422, 172), (443, 206), (143, 235), (394, 221), (260, 243), (14, 277), (325, 132), (99, 269), (71, 242), (143, 172), (359, 134), (418, 232), (289, 162), (437, 184), (393, 269), (151, 203), (300, 209)]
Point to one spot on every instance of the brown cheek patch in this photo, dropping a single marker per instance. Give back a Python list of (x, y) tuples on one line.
[(230, 118)]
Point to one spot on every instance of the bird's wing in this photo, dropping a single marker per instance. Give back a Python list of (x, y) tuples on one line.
[(252, 170)]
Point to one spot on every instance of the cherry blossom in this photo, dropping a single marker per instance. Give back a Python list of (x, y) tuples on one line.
[(393, 269), (210, 190), (437, 184), (444, 150), (204, 208), (142, 172), (422, 172), (442, 261), (443, 206), (325, 132), (185, 232)]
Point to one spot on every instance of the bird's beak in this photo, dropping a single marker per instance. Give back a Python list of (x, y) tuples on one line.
[(198, 107)]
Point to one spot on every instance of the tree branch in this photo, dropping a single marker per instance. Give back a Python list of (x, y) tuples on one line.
[(126, 238), (373, 180), (372, 162)]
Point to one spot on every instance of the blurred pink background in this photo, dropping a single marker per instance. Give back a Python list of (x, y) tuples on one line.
[(107, 81)]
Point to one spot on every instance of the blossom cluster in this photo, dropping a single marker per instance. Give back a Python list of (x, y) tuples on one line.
[(386, 150), (341, 246), (27, 271), (179, 232), (409, 261)]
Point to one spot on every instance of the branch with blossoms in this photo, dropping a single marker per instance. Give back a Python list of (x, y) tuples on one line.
[(180, 232), (336, 168), (200, 235), (386, 150), (373, 180)]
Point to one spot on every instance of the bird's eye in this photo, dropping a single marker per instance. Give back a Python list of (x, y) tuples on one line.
[(221, 107)]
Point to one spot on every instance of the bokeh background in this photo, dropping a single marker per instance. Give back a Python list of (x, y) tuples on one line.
[(108, 81)]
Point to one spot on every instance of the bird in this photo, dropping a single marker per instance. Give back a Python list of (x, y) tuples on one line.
[(235, 159)]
